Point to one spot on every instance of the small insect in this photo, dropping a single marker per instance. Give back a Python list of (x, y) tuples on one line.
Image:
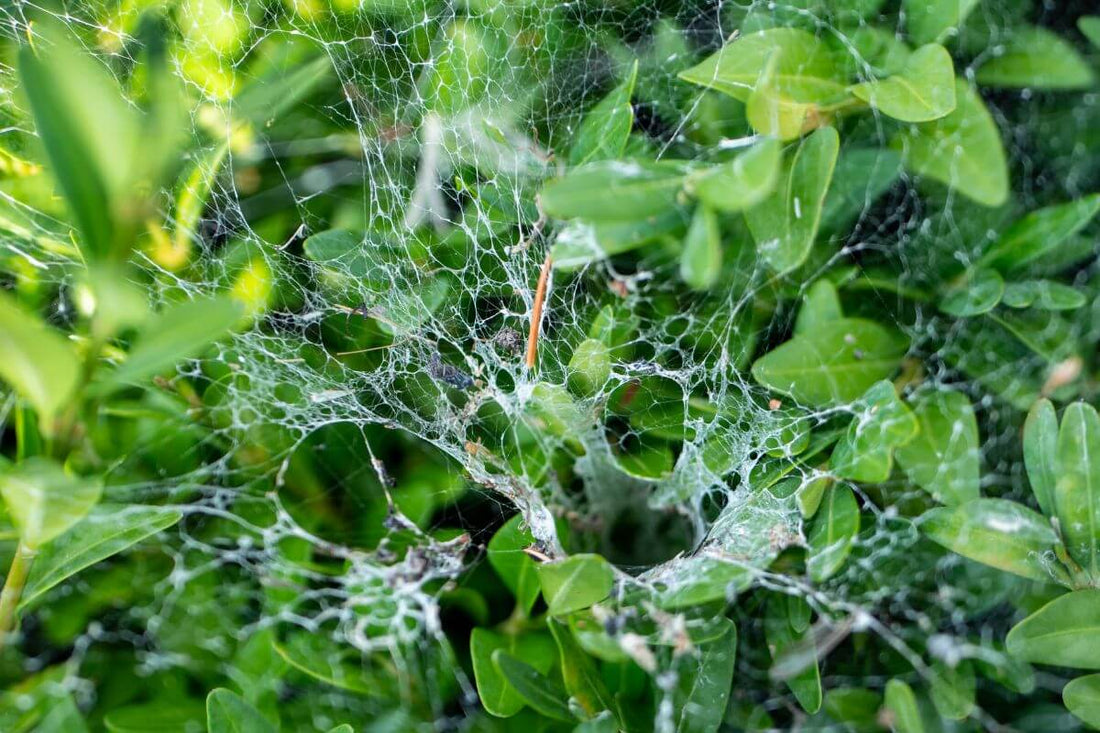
[(443, 372), (508, 340)]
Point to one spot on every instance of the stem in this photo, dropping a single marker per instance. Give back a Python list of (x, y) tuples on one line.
[(13, 589), (536, 313)]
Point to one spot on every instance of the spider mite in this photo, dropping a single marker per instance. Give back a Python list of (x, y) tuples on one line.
[(443, 372)]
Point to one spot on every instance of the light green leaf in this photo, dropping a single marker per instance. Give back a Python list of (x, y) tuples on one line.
[(943, 458), (581, 675), (615, 190), (701, 259), (44, 500), (228, 712), (976, 292), (1090, 27), (1041, 453), (806, 69), (962, 150), (820, 305), (1043, 294), (1036, 58), (575, 583), (179, 332), (106, 531), (606, 128), (933, 21), (773, 113), (1077, 491), (1063, 633), (785, 224), (742, 182), (923, 91), (37, 362), (902, 704), (835, 528), (703, 688), (882, 423), (541, 693), (1038, 236), (836, 363), (952, 689), (1082, 695), (999, 533), (589, 367), (497, 695), (512, 564)]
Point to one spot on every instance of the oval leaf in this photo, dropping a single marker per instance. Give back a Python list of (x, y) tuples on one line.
[(575, 583), (923, 91), (943, 458), (1082, 698), (1064, 632)]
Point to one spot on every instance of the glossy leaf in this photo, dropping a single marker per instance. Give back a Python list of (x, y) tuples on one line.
[(580, 674), (924, 90), (703, 688), (44, 500), (902, 704), (701, 259), (1082, 698), (1036, 58), (785, 224), (742, 182), (512, 564), (836, 363), (1038, 236), (605, 129), (614, 190), (1064, 632), (37, 362), (1077, 491), (1041, 453), (835, 528), (962, 150), (934, 21), (978, 292), (882, 423), (943, 458), (497, 695), (228, 712), (998, 533), (105, 532), (820, 305), (538, 691), (1043, 294), (575, 583)]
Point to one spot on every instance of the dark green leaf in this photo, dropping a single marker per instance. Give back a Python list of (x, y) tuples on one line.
[(511, 563), (902, 704), (798, 653), (538, 691), (497, 695), (1038, 236), (580, 673), (862, 175), (952, 689), (835, 528), (605, 129), (820, 305), (1041, 453), (979, 291), (703, 685), (1077, 491), (1043, 294), (1090, 27), (934, 21)]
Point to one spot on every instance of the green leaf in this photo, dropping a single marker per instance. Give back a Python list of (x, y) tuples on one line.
[(741, 182), (63, 717), (589, 367), (861, 176), (999, 533), (89, 134), (1036, 58), (180, 332), (1041, 453), (1063, 633), (1082, 697), (806, 69), (943, 458), (581, 675), (541, 693), (44, 500), (962, 150), (511, 563), (703, 688), (820, 305), (785, 224), (773, 113), (497, 695), (159, 716), (105, 532), (38, 362), (836, 363), (615, 190), (701, 259), (324, 660), (796, 652), (1038, 236), (606, 128), (575, 583), (1090, 27), (882, 423), (228, 712), (933, 21), (902, 704), (835, 528), (923, 91), (281, 88), (979, 291), (1077, 491), (1043, 294), (952, 689)]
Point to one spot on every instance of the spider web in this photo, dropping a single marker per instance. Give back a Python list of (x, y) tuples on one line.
[(431, 132)]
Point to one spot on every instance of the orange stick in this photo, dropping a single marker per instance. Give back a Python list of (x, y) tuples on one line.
[(536, 313)]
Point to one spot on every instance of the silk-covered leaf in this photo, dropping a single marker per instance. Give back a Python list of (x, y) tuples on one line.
[(605, 129), (975, 292), (943, 459), (924, 90), (834, 529), (1044, 295), (575, 583), (701, 258), (614, 190), (44, 500), (882, 422), (512, 564), (1038, 236), (741, 182)]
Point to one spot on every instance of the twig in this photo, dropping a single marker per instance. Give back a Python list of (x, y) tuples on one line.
[(13, 589), (536, 313)]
